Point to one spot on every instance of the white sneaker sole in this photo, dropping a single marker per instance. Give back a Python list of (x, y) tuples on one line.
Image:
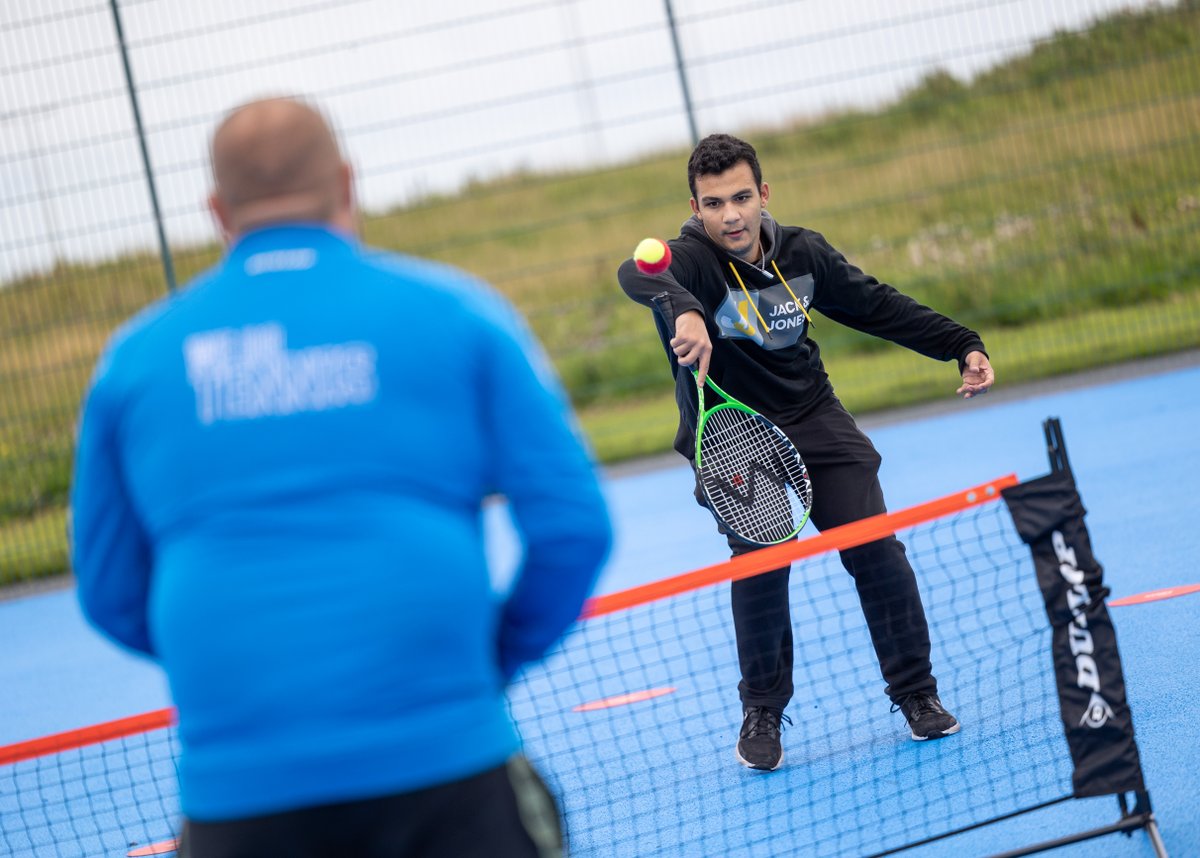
[(748, 765), (940, 735)]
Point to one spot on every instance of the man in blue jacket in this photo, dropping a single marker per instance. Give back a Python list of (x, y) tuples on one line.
[(277, 497)]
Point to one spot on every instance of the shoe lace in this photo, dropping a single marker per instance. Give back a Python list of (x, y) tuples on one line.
[(918, 705), (764, 721)]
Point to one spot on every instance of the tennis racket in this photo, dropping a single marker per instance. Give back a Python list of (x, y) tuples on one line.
[(752, 476)]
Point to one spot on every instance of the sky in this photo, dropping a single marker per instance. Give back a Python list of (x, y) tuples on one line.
[(427, 97)]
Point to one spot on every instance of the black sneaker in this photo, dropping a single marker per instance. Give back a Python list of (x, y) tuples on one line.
[(927, 718), (758, 744)]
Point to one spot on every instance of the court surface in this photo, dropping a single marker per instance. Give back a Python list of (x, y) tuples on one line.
[(1134, 446)]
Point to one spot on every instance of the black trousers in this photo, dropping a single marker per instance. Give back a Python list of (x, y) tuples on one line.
[(504, 811), (843, 466)]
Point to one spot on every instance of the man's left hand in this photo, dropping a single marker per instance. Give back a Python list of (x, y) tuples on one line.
[(977, 376)]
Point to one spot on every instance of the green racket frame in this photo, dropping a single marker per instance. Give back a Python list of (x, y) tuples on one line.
[(733, 404)]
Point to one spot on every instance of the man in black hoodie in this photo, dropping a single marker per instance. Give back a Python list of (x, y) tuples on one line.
[(735, 271)]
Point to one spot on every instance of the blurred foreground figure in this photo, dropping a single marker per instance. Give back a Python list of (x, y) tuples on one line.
[(277, 497)]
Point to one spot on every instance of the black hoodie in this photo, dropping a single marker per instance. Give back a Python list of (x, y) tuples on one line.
[(778, 372)]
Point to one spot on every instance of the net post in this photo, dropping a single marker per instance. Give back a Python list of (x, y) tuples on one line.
[(1126, 825), (1056, 447), (1142, 808), (1048, 514)]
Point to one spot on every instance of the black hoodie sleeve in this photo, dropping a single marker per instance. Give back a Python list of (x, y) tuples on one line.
[(644, 288), (854, 298), (663, 294)]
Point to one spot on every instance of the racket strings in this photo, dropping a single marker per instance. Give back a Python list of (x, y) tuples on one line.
[(752, 476)]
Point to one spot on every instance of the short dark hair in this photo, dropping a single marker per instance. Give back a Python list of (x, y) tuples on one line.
[(717, 153)]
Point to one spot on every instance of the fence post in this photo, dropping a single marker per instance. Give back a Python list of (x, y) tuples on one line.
[(164, 251), (683, 81)]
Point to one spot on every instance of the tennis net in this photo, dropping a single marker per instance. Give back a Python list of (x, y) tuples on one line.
[(108, 789), (634, 717)]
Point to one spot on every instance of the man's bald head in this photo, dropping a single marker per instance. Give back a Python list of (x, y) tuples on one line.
[(276, 161)]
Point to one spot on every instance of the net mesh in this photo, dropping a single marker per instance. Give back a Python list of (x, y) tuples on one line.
[(658, 776), (102, 799), (634, 717)]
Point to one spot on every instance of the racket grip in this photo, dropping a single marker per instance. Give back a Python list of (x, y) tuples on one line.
[(662, 306)]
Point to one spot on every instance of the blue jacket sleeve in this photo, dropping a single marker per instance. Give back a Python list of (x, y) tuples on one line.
[(110, 553), (541, 463)]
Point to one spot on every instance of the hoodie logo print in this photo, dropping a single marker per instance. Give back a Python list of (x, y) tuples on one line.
[(742, 322), (786, 324)]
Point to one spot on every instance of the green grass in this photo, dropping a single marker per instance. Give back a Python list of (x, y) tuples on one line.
[(867, 382), (33, 547), (1052, 204)]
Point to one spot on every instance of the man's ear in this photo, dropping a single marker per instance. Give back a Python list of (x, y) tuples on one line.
[(346, 215), (695, 206), (221, 215), (346, 185), (764, 192)]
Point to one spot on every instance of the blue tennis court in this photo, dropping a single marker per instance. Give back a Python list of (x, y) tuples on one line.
[(1136, 455)]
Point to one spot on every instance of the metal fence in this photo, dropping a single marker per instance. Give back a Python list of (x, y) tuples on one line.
[(1027, 166)]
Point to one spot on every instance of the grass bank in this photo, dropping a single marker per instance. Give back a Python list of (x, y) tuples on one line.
[(1052, 204)]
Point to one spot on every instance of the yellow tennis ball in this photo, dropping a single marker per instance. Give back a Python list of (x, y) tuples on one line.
[(652, 256)]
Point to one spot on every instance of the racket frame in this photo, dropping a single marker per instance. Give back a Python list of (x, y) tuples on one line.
[(733, 404)]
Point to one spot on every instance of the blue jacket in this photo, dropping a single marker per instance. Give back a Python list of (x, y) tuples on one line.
[(277, 496)]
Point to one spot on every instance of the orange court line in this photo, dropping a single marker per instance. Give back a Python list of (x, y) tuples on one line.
[(836, 538), (1155, 595), (85, 736), (623, 699)]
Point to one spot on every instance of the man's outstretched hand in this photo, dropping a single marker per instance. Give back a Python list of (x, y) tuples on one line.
[(977, 376)]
